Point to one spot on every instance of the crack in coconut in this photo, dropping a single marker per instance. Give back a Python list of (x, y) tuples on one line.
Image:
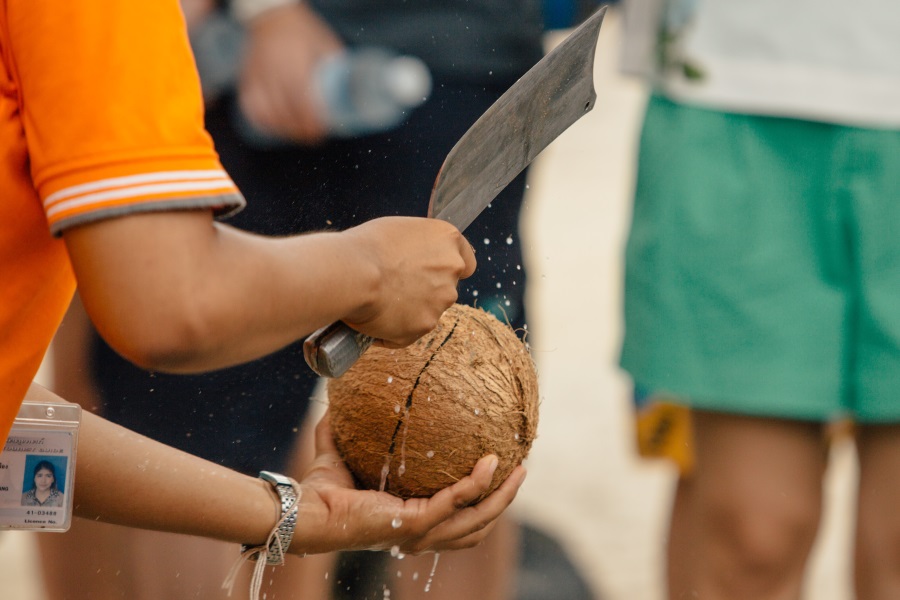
[(408, 408), (477, 395)]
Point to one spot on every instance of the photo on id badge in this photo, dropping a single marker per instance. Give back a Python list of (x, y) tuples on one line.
[(36, 469), (45, 480)]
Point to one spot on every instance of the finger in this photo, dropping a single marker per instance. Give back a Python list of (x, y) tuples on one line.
[(324, 436), (476, 518), (467, 251), (306, 124), (450, 500), (388, 345), (257, 107), (469, 541), (470, 488), (328, 466), (266, 103), (392, 345), (475, 538)]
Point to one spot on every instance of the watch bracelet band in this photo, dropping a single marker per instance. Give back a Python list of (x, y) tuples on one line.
[(245, 11), (280, 538)]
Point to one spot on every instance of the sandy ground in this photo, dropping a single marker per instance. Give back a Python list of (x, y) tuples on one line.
[(585, 485)]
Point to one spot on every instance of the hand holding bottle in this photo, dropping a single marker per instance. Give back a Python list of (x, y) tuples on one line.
[(298, 83), (282, 49)]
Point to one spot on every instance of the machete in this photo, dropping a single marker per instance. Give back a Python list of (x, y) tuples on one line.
[(543, 103)]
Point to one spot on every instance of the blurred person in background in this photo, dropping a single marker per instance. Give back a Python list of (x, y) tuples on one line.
[(762, 281), (304, 169)]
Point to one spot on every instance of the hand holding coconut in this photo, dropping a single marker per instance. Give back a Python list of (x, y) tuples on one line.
[(334, 515)]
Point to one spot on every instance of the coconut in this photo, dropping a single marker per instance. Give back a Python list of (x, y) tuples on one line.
[(415, 420)]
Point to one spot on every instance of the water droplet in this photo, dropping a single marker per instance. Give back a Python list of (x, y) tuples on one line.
[(415, 576), (385, 469), (433, 569), (397, 522), (395, 551), (402, 468)]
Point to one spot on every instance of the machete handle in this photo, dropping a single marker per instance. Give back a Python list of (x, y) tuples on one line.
[(333, 349)]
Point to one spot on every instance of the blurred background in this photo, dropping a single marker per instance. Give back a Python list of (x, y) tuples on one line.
[(586, 487)]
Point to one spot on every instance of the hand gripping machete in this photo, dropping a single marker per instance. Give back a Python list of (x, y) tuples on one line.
[(542, 104)]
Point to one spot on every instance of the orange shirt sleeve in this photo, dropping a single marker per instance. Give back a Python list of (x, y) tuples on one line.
[(112, 110)]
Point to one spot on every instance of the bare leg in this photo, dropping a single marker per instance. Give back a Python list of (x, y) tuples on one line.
[(877, 571), (756, 504), (97, 560), (72, 572), (680, 546)]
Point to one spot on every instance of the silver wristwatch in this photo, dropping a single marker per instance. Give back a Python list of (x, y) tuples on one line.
[(288, 518)]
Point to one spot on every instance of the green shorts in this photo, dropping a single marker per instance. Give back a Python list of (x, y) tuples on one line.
[(763, 266)]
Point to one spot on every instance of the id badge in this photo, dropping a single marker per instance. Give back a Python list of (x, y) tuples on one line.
[(37, 467)]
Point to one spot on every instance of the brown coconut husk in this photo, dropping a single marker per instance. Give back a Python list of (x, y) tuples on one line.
[(415, 420)]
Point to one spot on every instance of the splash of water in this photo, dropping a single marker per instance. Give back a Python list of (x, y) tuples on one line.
[(385, 469), (437, 555)]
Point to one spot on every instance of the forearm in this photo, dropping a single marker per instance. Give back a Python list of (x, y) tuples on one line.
[(196, 296), (172, 291), (127, 479), (124, 478)]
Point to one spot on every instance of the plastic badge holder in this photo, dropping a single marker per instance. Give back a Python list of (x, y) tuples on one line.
[(44, 438)]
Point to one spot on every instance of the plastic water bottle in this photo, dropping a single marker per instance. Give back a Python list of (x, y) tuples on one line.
[(369, 90), (358, 92)]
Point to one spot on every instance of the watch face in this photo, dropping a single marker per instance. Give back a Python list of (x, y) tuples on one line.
[(275, 478)]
